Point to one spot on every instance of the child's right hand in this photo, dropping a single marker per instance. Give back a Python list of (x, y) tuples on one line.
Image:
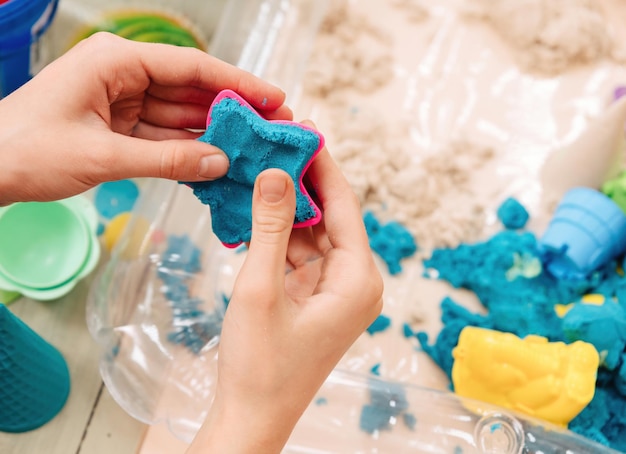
[(301, 299)]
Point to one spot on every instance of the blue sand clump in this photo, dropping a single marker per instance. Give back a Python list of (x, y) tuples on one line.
[(455, 318), (381, 323), (523, 303), (512, 214), (603, 420), (252, 145), (391, 241), (603, 326), (375, 370), (407, 331), (387, 401), (192, 327)]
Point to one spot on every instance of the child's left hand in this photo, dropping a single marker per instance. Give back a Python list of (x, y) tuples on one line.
[(111, 109)]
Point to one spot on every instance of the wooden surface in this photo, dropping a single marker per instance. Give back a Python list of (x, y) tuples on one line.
[(90, 422)]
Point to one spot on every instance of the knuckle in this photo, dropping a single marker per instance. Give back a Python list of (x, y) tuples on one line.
[(172, 160), (100, 40)]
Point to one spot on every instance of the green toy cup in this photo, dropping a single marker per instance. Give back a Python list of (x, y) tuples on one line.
[(42, 244)]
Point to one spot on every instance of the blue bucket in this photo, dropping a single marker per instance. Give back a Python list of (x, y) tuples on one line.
[(587, 230), (22, 25)]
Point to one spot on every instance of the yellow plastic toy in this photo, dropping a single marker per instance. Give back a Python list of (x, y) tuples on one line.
[(553, 381), (135, 235)]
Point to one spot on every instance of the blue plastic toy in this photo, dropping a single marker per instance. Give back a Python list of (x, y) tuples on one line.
[(587, 230), (34, 378)]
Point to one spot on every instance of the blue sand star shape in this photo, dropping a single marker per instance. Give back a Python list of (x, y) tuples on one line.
[(252, 145)]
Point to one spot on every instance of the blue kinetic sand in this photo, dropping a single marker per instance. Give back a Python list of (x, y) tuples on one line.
[(192, 327), (391, 241), (387, 402), (381, 323), (252, 145), (34, 378), (525, 304), (603, 326), (512, 214)]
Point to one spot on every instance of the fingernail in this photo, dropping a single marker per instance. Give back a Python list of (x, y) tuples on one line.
[(272, 188), (213, 166)]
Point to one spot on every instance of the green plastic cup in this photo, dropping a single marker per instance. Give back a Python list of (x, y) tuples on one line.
[(42, 244)]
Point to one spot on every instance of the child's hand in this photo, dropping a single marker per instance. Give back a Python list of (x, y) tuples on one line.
[(301, 299), (111, 109)]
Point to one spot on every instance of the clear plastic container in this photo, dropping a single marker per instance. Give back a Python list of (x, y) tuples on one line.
[(160, 376), (415, 419)]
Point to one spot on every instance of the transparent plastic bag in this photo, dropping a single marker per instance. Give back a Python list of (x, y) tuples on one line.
[(155, 310)]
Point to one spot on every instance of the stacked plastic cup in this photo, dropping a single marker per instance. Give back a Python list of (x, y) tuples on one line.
[(47, 247)]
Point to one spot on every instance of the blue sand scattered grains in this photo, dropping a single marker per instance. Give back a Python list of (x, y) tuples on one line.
[(409, 420), (391, 241), (381, 323), (182, 254), (512, 214), (115, 197), (387, 402), (192, 326), (407, 331), (225, 301), (524, 304), (321, 401), (252, 145)]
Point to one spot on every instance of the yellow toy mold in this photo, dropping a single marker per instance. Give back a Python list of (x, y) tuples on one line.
[(552, 381)]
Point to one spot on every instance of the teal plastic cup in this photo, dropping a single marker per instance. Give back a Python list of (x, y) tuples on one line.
[(42, 244), (34, 377)]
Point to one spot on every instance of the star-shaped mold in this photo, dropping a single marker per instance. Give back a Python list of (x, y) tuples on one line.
[(253, 144)]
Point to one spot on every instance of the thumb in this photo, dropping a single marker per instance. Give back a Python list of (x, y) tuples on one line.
[(174, 159), (273, 211)]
